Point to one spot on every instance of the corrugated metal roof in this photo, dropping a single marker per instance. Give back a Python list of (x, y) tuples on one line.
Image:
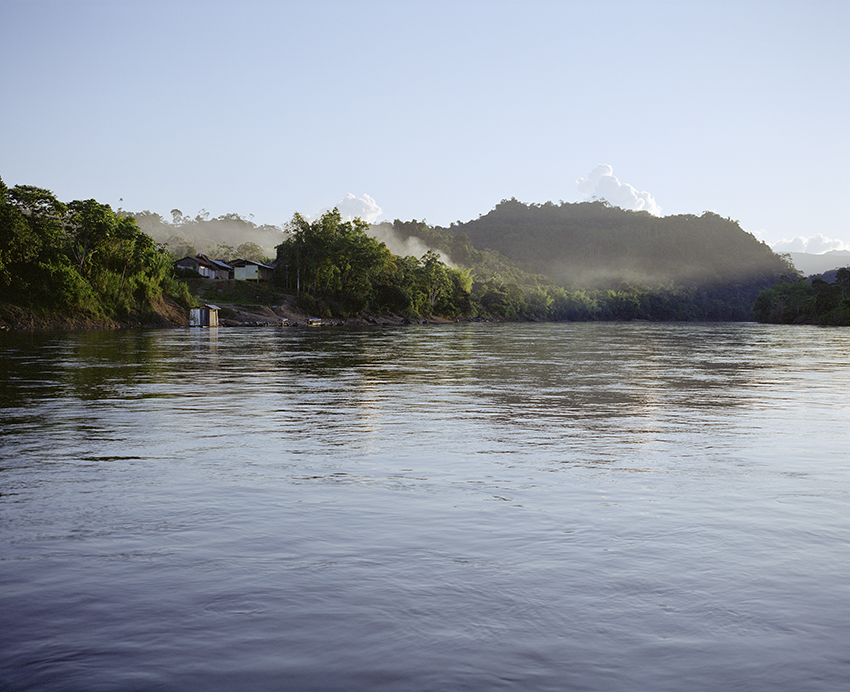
[(243, 262)]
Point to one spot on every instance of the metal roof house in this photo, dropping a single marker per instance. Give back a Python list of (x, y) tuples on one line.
[(248, 270), (206, 267), (207, 316)]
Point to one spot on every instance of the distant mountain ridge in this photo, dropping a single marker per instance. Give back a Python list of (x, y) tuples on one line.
[(594, 244)]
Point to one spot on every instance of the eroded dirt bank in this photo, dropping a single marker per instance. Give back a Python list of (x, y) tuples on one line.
[(166, 313)]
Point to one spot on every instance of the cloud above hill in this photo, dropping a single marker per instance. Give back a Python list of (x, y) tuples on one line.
[(815, 245), (364, 207), (603, 184)]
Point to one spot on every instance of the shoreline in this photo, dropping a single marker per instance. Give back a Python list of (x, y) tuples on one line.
[(169, 314)]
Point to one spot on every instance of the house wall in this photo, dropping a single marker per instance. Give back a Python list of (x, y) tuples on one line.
[(246, 273)]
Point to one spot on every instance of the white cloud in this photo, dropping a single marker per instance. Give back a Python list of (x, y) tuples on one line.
[(602, 183), (363, 207), (815, 245)]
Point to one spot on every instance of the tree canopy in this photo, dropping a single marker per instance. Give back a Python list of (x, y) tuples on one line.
[(341, 265), (81, 256)]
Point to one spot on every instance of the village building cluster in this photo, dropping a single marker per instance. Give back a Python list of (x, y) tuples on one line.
[(238, 269)]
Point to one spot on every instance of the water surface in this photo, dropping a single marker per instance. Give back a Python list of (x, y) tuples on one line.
[(462, 507)]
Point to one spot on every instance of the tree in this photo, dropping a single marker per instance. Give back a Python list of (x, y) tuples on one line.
[(31, 233), (20, 239), (251, 251), (81, 257), (341, 263), (90, 227), (432, 278), (806, 301), (332, 258), (223, 251)]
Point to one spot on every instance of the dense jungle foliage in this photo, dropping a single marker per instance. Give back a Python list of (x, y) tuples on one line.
[(807, 301), (338, 269), (79, 257)]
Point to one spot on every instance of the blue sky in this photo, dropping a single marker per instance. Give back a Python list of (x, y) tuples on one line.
[(435, 110)]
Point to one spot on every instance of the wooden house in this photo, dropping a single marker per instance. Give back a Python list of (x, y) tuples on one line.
[(248, 270)]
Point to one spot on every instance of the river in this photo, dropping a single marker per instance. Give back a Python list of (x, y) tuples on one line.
[(592, 506)]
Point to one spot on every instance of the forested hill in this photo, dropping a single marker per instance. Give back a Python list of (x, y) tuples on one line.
[(593, 244)]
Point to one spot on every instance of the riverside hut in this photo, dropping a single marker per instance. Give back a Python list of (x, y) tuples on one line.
[(207, 316)]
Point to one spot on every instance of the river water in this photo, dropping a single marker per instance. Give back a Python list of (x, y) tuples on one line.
[(616, 506)]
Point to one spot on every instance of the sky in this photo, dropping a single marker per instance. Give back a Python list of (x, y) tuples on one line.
[(436, 110)]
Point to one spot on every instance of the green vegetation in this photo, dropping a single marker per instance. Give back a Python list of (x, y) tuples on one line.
[(593, 244), (667, 302), (337, 269), (587, 261), (807, 301), (592, 261), (81, 258)]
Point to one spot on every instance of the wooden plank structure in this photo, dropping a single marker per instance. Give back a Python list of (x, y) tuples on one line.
[(206, 316)]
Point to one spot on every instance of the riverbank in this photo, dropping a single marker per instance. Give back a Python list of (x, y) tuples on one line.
[(286, 313), (277, 310), (164, 313)]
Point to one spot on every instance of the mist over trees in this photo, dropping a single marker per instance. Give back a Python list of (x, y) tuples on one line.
[(590, 260), (592, 244), (226, 237)]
